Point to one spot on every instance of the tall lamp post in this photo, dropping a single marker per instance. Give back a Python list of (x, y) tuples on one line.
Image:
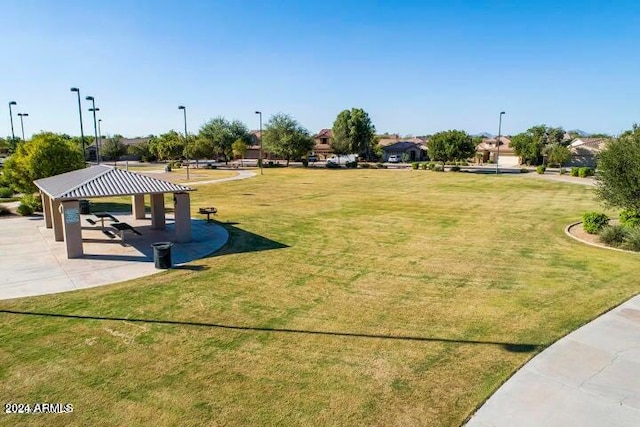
[(21, 115), (95, 125), (260, 159), (84, 155), (498, 144), (186, 135), (13, 137)]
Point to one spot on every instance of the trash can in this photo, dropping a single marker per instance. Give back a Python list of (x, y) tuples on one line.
[(85, 207), (162, 254)]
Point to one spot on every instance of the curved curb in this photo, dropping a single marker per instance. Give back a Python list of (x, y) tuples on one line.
[(567, 231)]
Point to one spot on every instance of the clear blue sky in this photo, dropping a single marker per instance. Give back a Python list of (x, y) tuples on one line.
[(416, 67)]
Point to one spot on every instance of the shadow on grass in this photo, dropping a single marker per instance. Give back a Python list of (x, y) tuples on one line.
[(242, 241), (512, 347)]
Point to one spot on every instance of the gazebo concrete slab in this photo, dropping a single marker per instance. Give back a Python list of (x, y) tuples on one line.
[(33, 263)]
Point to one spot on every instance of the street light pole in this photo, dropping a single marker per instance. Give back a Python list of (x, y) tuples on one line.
[(22, 123), (13, 137), (260, 159), (100, 130), (95, 125), (186, 135), (498, 145), (84, 155)]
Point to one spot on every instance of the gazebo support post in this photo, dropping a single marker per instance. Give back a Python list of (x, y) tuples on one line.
[(46, 207), (182, 212), (138, 206), (72, 228), (157, 212), (56, 214)]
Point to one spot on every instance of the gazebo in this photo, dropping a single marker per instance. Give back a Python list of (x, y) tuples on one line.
[(61, 196)]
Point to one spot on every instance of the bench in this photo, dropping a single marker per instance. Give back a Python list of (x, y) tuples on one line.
[(208, 212)]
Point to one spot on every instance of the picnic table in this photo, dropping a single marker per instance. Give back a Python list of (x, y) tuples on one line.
[(103, 215), (122, 227)]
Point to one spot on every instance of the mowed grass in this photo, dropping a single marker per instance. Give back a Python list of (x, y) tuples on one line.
[(432, 288)]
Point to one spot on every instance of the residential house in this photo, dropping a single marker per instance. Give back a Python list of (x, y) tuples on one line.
[(322, 147), (491, 148), (410, 150), (584, 151)]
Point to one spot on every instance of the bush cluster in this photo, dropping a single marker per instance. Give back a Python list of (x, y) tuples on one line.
[(630, 218), (524, 170), (541, 169), (585, 172), (438, 168), (592, 222), (613, 235), (24, 210), (352, 165), (574, 171), (33, 201), (5, 192)]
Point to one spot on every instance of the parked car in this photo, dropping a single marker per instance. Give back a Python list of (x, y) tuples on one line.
[(394, 159)]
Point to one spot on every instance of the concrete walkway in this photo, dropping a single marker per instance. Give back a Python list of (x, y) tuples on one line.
[(33, 263), (590, 378), (242, 174)]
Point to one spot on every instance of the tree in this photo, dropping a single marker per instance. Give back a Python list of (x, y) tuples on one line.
[(353, 132), (142, 150), (285, 137), (113, 148), (557, 154), (196, 149), (618, 178), (239, 148), (450, 145), (530, 145), (45, 155), (220, 134), (168, 146)]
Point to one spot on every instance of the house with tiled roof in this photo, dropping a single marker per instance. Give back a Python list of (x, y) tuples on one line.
[(584, 151), (322, 147), (412, 151), (491, 148)]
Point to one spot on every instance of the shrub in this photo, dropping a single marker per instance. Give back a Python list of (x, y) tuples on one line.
[(414, 165), (24, 210), (5, 192), (4, 211), (431, 166), (365, 165), (592, 222), (33, 201), (613, 235), (455, 168), (489, 161), (524, 170), (438, 168), (575, 171), (423, 166), (632, 239), (381, 166), (585, 172), (176, 164), (352, 165), (630, 218), (541, 169)]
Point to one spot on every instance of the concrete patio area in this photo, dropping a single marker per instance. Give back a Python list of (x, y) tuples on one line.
[(33, 263)]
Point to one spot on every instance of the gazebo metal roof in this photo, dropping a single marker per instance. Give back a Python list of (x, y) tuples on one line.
[(104, 181)]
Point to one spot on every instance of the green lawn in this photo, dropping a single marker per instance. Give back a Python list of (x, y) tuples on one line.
[(433, 289)]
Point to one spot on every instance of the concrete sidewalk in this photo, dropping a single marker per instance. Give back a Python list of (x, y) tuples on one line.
[(33, 263), (590, 378)]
